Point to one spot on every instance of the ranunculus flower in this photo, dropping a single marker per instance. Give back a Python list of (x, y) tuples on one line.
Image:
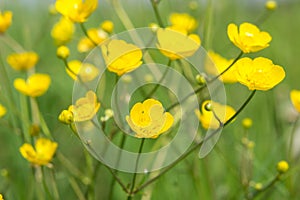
[(183, 21), (5, 20), (86, 71), (295, 98), (23, 60)]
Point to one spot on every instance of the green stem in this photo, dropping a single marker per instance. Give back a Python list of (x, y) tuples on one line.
[(76, 189), (154, 4), (195, 146), (130, 194), (25, 118)]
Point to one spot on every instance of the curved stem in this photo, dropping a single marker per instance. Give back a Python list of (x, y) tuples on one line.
[(154, 4)]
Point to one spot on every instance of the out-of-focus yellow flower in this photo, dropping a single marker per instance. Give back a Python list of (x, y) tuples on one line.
[(177, 44), (62, 32), (76, 10), (85, 108), (1, 197), (36, 85), (2, 110), (42, 154), (22, 61), (154, 27), (271, 5), (282, 166), (258, 186), (295, 98), (66, 117), (63, 52), (248, 37), (183, 21), (247, 123), (207, 117), (96, 35), (258, 74), (5, 20), (121, 57), (221, 64), (85, 71), (148, 119), (107, 26)]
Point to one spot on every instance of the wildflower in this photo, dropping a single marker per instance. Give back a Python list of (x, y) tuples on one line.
[(36, 85), (247, 123), (86, 71), (271, 5), (5, 20), (258, 186), (248, 38), (66, 117), (63, 52), (258, 74), (282, 166), (62, 32), (22, 61), (183, 21), (76, 10), (107, 26), (220, 65), (148, 119), (295, 98), (42, 154), (200, 78), (85, 108), (121, 57), (1, 197), (177, 44), (2, 110), (208, 118), (96, 36)]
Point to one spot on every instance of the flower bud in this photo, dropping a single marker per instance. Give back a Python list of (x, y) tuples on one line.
[(247, 123), (63, 52), (107, 26), (282, 166), (66, 117), (271, 5), (200, 78)]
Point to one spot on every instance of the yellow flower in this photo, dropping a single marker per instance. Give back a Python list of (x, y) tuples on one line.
[(121, 57), (282, 166), (295, 98), (42, 154), (2, 110), (85, 108), (248, 38), (271, 5), (62, 32), (207, 117), (247, 123), (148, 119), (22, 61), (76, 10), (85, 71), (221, 64), (176, 44), (1, 197), (258, 74), (66, 117), (63, 52), (5, 20), (36, 85), (183, 21), (107, 26), (96, 35)]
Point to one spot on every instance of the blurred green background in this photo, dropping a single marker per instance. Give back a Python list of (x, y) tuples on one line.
[(217, 176)]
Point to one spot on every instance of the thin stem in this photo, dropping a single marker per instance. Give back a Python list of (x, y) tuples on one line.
[(25, 118), (135, 173), (86, 33), (76, 188), (154, 4)]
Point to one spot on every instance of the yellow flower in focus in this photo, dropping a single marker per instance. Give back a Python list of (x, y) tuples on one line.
[(183, 21), (207, 117), (248, 37), (295, 98), (36, 85), (282, 166), (107, 26), (176, 44), (42, 154), (96, 35), (258, 74), (86, 71), (5, 20), (63, 52), (85, 108), (62, 32), (121, 57), (76, 10), (271, 5), (2, 110), (22, 61), (221, 64), (148, 119), (66, 117)]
